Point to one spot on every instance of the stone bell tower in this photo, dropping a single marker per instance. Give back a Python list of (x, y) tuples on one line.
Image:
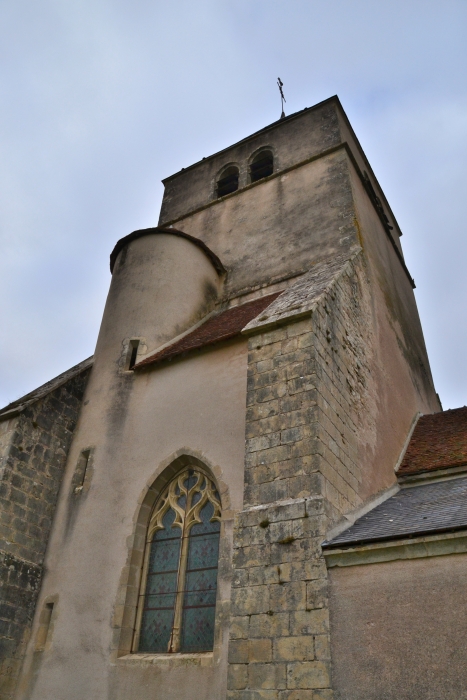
[(337, 370), (267, 333)]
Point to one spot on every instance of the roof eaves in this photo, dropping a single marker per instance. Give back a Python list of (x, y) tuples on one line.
[(360, 542), (431, 475), (269, 127), (220, 327), (414, 511), (16, 407)]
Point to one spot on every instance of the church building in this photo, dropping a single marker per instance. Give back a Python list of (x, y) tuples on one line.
[(250, 491)]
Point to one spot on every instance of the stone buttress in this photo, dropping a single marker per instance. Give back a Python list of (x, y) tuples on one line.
[(306, 392)]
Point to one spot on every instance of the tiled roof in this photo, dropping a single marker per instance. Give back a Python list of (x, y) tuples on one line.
[(439, 441), (223, 326), (415, 511)]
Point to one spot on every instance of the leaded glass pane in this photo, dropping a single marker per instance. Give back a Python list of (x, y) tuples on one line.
[(204, 550), (155, 631), (179, 601), (198, 629), (161, 587), (199, 603)]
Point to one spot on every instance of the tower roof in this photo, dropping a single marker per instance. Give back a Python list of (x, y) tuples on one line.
[(171, 231)]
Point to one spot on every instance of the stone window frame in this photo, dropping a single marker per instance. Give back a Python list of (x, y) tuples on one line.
[(125, 352), (253, 156), (243, 166), (126, 609), (218, 176), (171, 502), (83, 472), (46, 617)]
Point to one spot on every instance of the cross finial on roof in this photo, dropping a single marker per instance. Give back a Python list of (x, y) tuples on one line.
[(280, 85)]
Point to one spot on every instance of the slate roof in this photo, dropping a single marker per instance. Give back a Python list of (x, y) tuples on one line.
[(439, 441), (223, 326), (19, 405), (413, 511)]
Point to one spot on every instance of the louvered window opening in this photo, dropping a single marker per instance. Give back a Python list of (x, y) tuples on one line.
[(228, 182), (182, 550), (262, 166)]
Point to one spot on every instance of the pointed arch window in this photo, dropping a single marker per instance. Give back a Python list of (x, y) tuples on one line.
[(178, 594)]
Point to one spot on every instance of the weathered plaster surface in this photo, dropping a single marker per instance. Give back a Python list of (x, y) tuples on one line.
[(161, 286), (192, 407), (282, 226), (398, 630)]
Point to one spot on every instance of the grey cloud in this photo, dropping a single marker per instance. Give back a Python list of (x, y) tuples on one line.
[(101, 100)]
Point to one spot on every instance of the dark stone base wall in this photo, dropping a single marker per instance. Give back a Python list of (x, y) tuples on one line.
[(33, 454), (19, 585)]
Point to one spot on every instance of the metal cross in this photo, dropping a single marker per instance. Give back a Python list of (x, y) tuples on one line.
[(280, 85)]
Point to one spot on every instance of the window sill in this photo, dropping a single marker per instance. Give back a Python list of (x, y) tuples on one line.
[(168, 660)]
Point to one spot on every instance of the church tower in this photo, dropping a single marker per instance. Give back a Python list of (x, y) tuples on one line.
[(259, 368)]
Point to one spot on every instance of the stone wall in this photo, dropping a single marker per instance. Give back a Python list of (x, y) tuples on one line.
[(34, 445), (307, 388)]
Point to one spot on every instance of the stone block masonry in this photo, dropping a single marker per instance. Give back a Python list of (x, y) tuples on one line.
[(306, 387), (34, 445), (279, 643)]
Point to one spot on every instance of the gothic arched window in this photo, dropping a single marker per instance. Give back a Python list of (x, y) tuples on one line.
[(178, 594), (261, 166), (228, 181)]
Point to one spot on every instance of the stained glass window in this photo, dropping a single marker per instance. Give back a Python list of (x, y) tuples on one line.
[(178, 598)]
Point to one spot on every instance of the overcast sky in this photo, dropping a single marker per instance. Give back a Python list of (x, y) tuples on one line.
[(101, 99)]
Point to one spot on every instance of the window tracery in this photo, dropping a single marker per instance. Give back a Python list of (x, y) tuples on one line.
[(178, 595)]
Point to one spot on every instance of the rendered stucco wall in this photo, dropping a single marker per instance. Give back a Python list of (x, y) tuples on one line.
[(279, 228), (398, 630), (196, 406), (161, 286)]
